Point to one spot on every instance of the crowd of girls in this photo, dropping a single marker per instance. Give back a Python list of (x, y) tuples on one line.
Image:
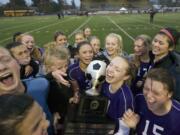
[(143, 88)]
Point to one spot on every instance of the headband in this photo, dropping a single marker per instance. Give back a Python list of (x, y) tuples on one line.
[(168, 34)]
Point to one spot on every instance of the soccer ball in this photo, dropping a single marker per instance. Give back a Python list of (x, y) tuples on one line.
[(95, 72)]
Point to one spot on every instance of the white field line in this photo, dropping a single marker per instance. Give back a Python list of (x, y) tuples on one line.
[(120, 28), (155, 25), (158, 26), (20, 25), (48, 26), (38, 29), (5, 39), (70, 35)]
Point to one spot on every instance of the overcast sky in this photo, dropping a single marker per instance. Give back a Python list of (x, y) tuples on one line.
[(29, 1)]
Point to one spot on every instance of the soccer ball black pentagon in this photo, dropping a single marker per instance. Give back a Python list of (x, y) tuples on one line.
[(96, 66)]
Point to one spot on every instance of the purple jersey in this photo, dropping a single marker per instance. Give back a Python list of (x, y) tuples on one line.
[(141, 73), (151, 124), (119, 101), (75, 73)]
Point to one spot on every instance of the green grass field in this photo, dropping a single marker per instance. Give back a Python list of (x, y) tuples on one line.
[(128, 26)]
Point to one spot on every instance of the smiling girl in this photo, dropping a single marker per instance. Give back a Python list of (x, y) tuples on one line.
[(113, 48)]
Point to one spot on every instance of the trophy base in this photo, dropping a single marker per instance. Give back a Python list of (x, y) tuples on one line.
[(92, 92), (89, 117)]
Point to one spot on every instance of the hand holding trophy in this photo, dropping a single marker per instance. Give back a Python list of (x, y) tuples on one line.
[(95, 72)]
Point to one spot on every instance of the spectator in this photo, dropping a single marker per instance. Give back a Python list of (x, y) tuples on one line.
[(151, 14)]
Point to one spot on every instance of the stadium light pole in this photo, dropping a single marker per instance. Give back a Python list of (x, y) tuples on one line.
[(80, 4), (14, 7)]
